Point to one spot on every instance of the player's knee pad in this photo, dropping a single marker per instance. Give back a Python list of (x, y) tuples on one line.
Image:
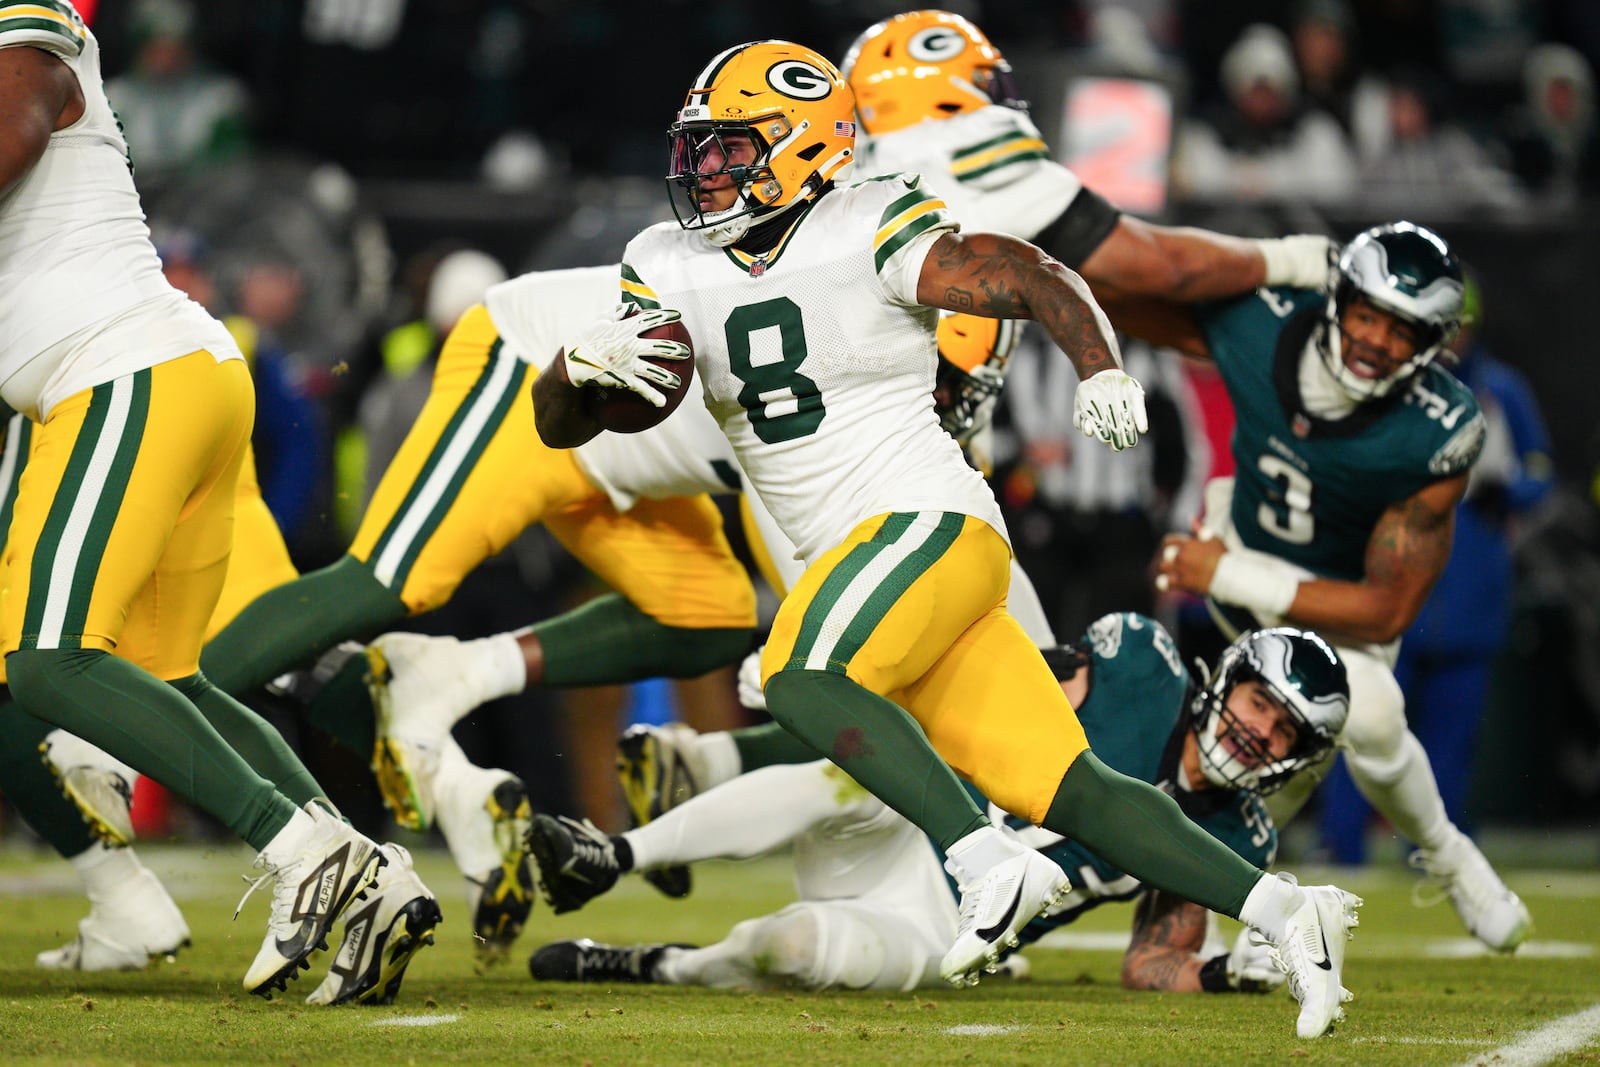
[(783, 946), (1377, 724)]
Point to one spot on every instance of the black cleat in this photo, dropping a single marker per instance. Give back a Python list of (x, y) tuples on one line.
[(577, 862), (586, 961)]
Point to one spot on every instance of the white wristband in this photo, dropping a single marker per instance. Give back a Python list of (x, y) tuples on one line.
[(1255, 581), (1299, 261)]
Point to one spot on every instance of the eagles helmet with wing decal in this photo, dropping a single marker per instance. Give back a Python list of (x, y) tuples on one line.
[(1405, 270), (1299, 670), (794, 107), (925, 65)]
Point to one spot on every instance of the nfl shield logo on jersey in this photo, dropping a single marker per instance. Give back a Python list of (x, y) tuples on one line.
[(758, 268)]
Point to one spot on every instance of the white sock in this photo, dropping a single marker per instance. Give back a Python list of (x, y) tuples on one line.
[(752, 814), (1403, 789), (105, 870), (978, 853), (1272, 900), (287, 843), (721, 758), (495, 665)]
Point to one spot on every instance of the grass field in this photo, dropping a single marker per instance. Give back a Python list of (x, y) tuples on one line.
[(1422, 996)]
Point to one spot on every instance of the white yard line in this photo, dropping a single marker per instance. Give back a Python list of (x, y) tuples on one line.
[(1556, 1038), (417, 1020)]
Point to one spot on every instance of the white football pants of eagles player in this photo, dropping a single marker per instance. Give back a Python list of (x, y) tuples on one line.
[(875, 909), (1385, 758)]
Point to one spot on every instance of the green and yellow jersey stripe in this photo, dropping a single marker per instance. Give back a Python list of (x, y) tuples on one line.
[(991, 155)]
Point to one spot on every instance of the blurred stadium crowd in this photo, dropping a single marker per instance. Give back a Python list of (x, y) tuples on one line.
[(343, 178)]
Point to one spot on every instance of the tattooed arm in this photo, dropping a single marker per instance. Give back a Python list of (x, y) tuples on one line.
[(1164, 955), (1406, 553), (1001, 277)]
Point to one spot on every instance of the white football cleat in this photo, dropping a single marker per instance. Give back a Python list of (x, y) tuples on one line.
[(99, 785), (314, 878), (995, 907), (419, 690), (484, 816), (123, 931), (1311, 954), (381, 935), (1487, 907)]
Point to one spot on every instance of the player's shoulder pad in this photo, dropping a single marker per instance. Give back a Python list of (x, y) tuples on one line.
[(1132, 634), (1460, 429), (899, 208), (53, 25), (992, 139)]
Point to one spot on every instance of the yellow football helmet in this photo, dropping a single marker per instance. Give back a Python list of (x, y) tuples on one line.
[(925, 65), (795, 108), (974, 353)]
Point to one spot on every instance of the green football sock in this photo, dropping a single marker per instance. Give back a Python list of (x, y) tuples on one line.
[(1138, 828), (253, 738), (296, 622), (29, 786), (608, 641), (769, 745), (342, 707), (877, 743), (152, 727)]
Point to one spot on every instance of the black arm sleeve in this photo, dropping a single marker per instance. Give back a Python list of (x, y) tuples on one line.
[(1080, 229)]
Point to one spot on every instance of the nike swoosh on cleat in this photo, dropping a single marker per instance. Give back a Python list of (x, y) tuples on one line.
[(1326, 963), (989, 933)]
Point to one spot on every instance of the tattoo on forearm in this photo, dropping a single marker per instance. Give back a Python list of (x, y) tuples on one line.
[(1167, 932), (1006, 278)]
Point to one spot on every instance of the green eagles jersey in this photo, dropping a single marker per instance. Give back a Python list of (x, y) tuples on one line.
[(1138, 691), (1310, 490)]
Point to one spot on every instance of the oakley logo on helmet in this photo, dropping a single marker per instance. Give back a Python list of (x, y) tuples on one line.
[(799, 80), (936, 45)]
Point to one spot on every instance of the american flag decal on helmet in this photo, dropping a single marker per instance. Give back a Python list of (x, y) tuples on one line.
[(844, 129)]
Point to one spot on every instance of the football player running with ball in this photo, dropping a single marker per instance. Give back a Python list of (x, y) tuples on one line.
[(875, 910), (1352, 448), (813, 310)]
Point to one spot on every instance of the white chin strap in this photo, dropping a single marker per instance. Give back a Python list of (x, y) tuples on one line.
[(723, 234)]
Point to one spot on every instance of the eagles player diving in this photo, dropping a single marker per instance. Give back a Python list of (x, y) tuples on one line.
[(1352, 448), (875, 909), (813, 309), (122, 524)]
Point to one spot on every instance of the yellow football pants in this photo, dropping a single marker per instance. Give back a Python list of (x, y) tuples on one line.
[(473, 474), (913, 607)]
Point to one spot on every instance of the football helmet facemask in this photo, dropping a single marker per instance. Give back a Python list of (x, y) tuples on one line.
[(1409, 272), (793, 107), (974, 354), (1301, 672), (925, 65)]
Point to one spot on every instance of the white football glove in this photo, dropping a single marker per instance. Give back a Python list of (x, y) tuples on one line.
[(750, 694), (611, 353), (1250, 966), (1110, 405)]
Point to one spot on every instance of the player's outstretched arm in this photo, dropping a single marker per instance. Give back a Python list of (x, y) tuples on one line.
[(1001, 277), (1187, 264), (38, 95)]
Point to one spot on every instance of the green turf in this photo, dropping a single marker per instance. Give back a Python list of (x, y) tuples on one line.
[(1412, 1007)]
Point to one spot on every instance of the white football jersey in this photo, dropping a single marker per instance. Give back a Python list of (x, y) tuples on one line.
[(991, 166), (82, 296), (818, 362), (538, 314)]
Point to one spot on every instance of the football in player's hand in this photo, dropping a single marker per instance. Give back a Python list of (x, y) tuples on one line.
[(624, 411)]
